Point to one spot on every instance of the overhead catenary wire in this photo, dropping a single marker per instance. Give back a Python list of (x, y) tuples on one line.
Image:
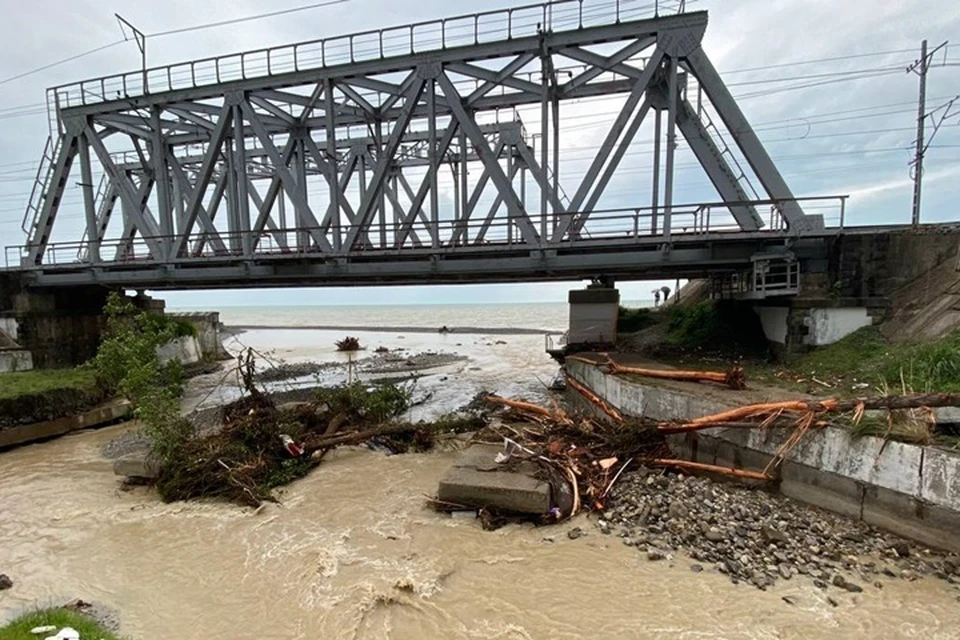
[(170, 32)]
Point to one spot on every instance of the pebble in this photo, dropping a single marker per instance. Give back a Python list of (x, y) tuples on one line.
[(575, 533), (832, 601), (757, 537), (655, 554), (5, 582), (696, 568)]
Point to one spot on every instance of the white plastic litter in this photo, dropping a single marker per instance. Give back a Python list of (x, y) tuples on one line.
[(44, 629), (68, 633)]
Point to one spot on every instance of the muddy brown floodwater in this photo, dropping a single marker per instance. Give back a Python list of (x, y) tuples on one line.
[(353, 553)]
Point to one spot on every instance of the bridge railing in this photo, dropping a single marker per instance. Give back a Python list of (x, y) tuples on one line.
[(465, 30), (614, 226)]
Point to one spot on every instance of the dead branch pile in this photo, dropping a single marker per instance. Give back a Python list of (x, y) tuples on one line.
[(262, 446), (350, 343), (591, 453)]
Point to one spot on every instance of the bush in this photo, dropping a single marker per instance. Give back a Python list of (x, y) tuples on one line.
[(360, 403), (127, 361), (633, 320)]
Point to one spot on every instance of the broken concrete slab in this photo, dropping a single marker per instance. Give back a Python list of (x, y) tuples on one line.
[(476, 480), (136, 465)]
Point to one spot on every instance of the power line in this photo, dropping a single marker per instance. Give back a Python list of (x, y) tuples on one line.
[(60, 62), (261, 16), (854, 56), (170, 32)]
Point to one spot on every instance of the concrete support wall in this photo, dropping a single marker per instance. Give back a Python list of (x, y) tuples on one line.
[(826, 326), (593, 316), (798, 326), (15, 360), (207, 324), (186, 349), (911, 490)]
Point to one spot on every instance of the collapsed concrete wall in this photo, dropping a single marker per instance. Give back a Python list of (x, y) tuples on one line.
[(911, 490), (208, 326), (186, 349)]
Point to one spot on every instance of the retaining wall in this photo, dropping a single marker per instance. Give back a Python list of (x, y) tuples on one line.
[(911, 490), (186, 349), (207, 324)]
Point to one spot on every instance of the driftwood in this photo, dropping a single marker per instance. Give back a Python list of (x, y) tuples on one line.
[(777, 424), (529, 408), (596, 400), (734, 378), (831, 405), (354, 437), (708, 468)]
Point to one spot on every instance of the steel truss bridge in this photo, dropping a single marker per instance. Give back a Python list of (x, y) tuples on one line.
[(399, 155)]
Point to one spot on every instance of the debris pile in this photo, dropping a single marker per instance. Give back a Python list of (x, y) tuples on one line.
[(261, 446), (756, 537), (350, 343)]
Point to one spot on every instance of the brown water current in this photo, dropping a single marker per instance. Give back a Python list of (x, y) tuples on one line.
[(353, 553)]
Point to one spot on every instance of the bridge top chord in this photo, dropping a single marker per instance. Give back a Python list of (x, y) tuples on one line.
[(376, 44)]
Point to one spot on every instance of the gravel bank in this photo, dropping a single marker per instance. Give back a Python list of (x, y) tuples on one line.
[(758, 538)]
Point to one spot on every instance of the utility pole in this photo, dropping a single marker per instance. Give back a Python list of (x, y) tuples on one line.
[(920, 67), (141, 40)]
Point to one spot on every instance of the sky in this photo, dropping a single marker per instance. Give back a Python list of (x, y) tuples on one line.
[(823, 83)]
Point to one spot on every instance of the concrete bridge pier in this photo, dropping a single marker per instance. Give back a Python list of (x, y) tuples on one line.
[(593, 315), (55, 327)]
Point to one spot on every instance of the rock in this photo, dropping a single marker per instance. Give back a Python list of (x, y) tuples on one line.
[(5, 582), (839, 581), (575, 533), (677, 510), (907, 574), (902, 549), (136, 465), (713, 535), (852, 587), (696, 568), (887, 571), (878, 584), (789, 599), (833, 602), (820, 584), (784, 571), (44, 629), (604, 527), (773, 536), (655, 554)]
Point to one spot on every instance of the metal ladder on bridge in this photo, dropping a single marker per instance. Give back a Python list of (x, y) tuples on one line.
[(40, 184), (721, 144)]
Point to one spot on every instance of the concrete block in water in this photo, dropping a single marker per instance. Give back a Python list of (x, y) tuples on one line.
[(136, 465), (477, 481)]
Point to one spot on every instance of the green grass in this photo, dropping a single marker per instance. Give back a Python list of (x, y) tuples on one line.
[(865, 356), (19, 629), (21, 383)]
